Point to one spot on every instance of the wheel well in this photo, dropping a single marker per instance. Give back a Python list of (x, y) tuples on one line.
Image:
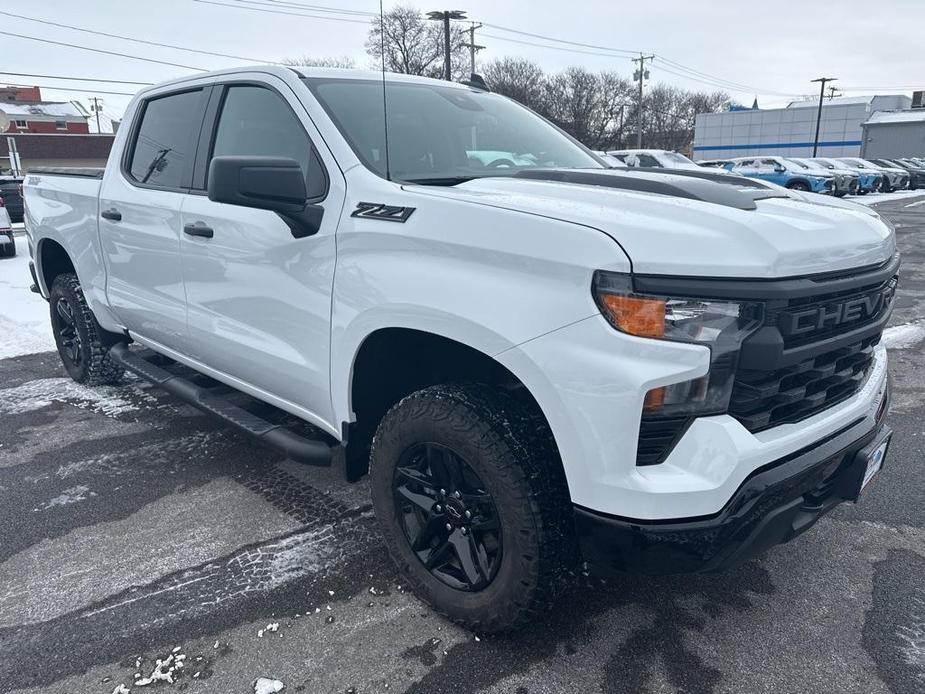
[(53, 261), (395, 362)]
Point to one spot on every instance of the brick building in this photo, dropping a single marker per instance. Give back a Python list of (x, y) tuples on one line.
[(26, 112)]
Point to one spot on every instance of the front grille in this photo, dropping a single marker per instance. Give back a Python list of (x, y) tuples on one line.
[(775, 316), (762, 399)]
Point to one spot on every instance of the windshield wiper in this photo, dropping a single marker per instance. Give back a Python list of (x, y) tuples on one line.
[(441, 180)]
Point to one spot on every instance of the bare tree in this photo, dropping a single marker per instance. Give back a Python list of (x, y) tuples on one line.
[(309, 61), (414, 44), (519, 78)]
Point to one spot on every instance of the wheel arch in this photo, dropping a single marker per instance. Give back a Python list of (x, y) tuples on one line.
[(51, 260), (392, 362)]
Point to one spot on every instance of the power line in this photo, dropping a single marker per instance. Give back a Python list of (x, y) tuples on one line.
[(274, 11), (100, 50), (76, 79), (131, 38), (72, 89), (628, 52), (552, 48), (313, 8)]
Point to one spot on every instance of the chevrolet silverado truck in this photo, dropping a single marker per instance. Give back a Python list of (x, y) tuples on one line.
[(539, 362)]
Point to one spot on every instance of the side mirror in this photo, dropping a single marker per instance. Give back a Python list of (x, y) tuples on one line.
[(266, 183)]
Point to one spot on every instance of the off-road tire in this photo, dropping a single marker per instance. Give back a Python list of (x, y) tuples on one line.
[(8, 250), (94, 366), (509, 446)]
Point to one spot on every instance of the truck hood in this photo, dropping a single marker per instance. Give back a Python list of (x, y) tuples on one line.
[(784, 235)]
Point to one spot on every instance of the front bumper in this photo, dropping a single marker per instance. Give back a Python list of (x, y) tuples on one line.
[(774, 504)]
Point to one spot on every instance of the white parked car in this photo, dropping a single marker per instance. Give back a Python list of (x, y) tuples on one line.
[(654, 158), (659, 371)]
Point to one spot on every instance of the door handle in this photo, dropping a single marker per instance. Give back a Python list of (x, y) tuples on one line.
[(111, 214), (198, 229)]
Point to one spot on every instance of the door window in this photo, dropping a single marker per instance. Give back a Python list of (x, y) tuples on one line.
[(257, 122), (162, 153)]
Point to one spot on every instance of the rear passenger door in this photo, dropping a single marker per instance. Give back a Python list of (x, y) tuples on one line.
[(140, 200), (259, 300)]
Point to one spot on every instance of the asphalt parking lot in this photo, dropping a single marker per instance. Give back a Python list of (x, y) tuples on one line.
[(133, 528)]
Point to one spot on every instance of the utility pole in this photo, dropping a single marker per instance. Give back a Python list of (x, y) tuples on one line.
[(641, 75), (833, 92), (822, 81), (445, 16), (473, 46), (97, 107)]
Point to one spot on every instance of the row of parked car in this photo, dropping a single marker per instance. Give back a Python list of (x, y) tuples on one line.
[(11, 211), (829, 176)]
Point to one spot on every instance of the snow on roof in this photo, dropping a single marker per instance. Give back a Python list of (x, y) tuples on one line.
[(838, 100), (916, 114), (48, 109)]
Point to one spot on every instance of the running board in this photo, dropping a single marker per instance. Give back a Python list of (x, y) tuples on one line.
[(298, 448)]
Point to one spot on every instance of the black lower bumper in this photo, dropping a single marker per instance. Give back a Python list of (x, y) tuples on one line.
[(774, 505)]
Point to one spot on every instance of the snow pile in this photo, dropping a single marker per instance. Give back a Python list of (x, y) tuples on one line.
[(913, 639), (263, 685), (24, 324), (163, 669), (903, 336), (875, 198)]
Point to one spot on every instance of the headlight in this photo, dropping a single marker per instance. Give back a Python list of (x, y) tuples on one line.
[(719, 324)]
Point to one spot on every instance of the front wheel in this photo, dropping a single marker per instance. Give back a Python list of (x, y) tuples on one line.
[(473, 504), (82, 344), (799, 185)]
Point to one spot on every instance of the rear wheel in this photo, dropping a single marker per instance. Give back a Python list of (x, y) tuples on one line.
[(472, 501), (82, 344)]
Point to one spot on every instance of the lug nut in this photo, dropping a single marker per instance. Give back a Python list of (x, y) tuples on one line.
[(443, 492), (439, 508), (457, 495), (449, 526), (468, 515), (465, 531)]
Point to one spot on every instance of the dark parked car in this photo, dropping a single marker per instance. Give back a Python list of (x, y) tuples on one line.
[(12, 197), (916, 173)]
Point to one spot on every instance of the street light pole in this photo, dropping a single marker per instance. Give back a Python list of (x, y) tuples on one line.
[(445, 16), (822, 81)]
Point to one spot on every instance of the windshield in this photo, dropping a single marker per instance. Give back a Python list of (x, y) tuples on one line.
[(444, 134), (799, 163), (677, 158)]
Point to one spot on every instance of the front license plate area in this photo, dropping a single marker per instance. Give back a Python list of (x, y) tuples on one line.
[(874, 457)]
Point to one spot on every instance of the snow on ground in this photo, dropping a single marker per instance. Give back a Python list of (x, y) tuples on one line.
[(874, 198), (24, 325), (904, 336)]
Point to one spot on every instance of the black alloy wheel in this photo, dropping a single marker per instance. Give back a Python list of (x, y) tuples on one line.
[(66, 331), (447, 516)]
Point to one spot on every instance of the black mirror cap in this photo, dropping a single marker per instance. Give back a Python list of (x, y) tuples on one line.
[(267, 183)]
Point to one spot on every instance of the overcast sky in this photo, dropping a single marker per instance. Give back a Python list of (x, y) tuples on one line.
[(773, 49)]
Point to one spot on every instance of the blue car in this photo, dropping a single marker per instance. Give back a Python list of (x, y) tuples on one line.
[(784, 173)]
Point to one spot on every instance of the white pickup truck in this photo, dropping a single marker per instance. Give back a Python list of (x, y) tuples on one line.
[(537, 358)]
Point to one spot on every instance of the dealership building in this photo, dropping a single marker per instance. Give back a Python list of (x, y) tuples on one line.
[(790, 131)]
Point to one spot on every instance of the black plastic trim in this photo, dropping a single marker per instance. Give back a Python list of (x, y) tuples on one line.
[(763, 289), (74, 172), (298, 448)]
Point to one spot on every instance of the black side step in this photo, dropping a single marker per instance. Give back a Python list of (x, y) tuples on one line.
[(298, 448)]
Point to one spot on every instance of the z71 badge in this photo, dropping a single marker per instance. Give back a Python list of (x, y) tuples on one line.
[(378, 210)]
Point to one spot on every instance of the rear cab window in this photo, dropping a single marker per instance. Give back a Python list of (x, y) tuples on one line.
[(163, 144)]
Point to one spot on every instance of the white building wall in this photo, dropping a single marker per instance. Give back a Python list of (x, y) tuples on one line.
[(788, 131)]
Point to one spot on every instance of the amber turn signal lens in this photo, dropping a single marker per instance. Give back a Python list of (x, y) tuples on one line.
[(655, 399), (635, 315)]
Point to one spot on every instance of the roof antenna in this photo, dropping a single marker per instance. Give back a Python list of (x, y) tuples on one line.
[(385, 110)]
